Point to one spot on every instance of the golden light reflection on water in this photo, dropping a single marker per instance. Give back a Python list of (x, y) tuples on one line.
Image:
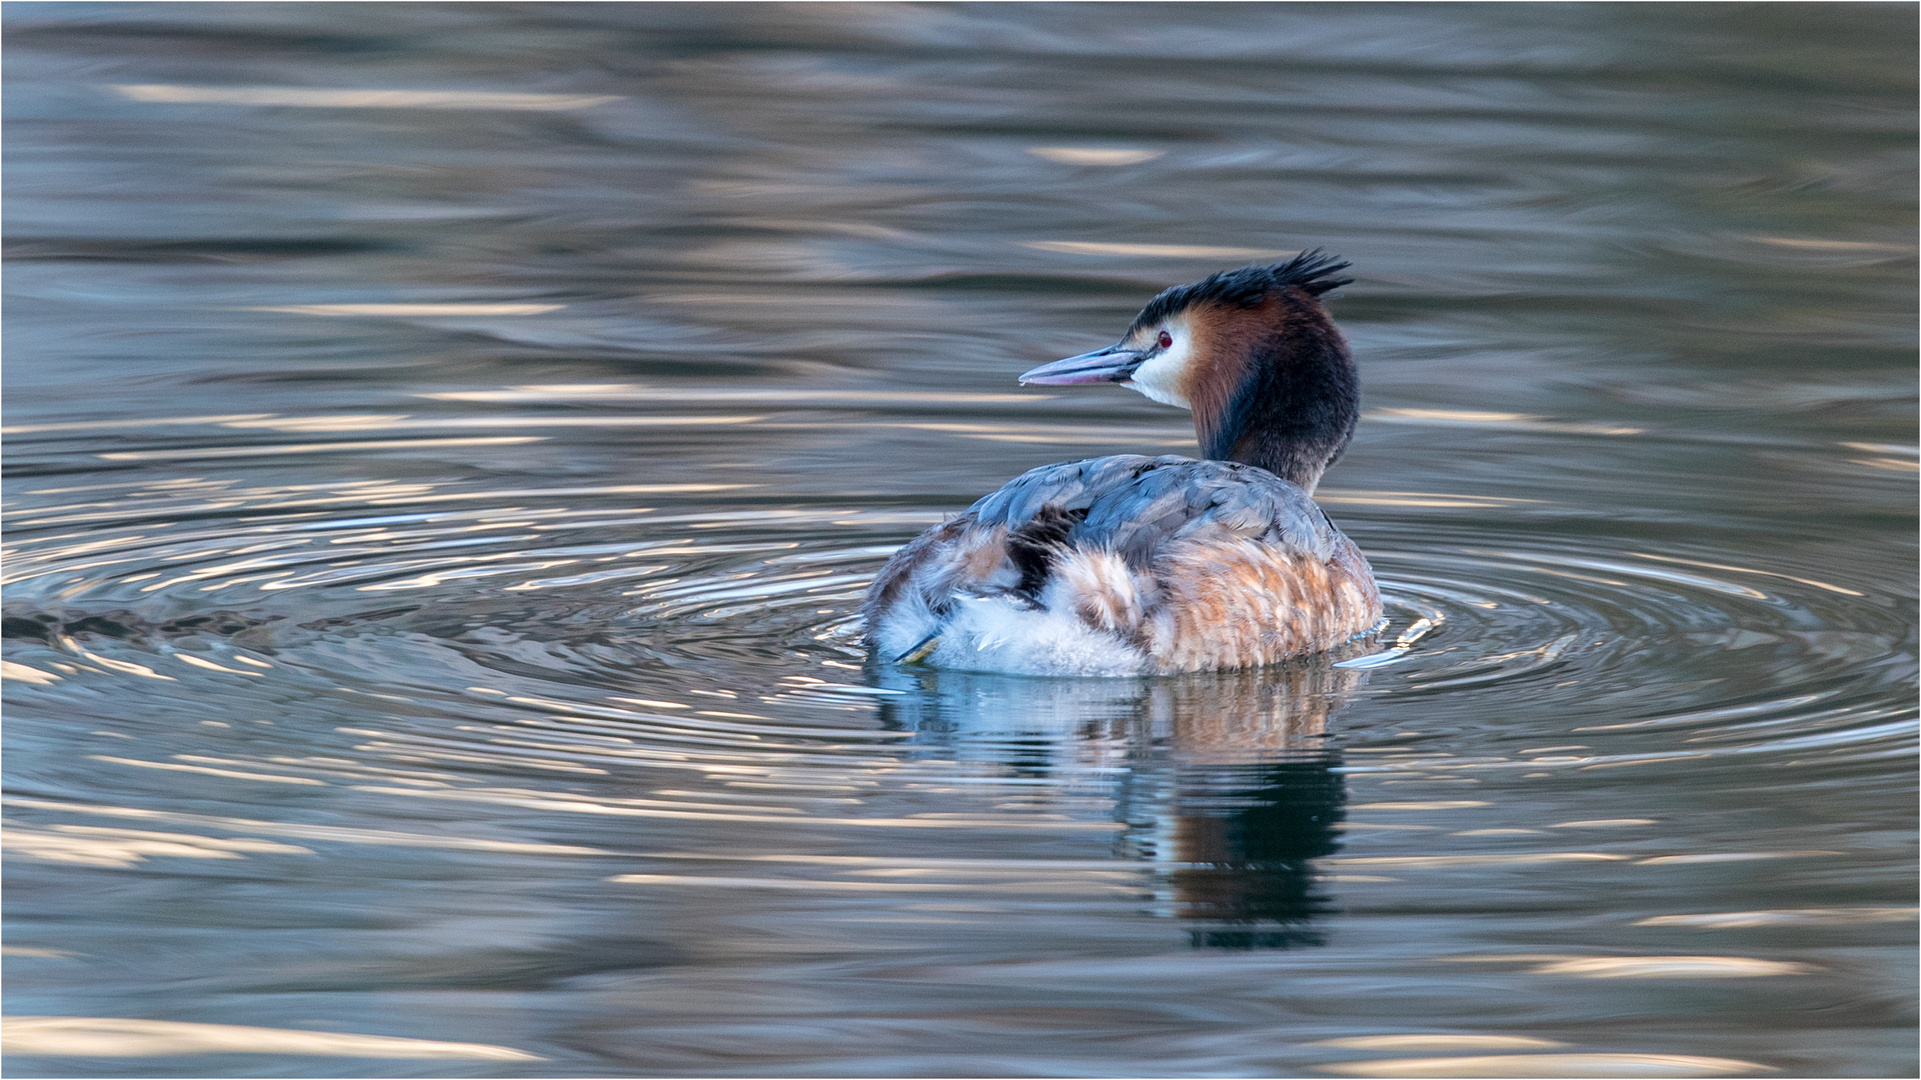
[(102, 1036), (1155, 251), (120, 425), (1432, 804), (547, 800), (1437, 1042), (125, 667), (333, 833), (1826, 244), (303, 97), (1442, 862), (230, 774), (1671, 967), (1484, 419), (414, 310), (209, 665), (1072, 886), (1497, 832), (1746, 920), (404, 422), (1884, 448), (1090, 155), (90, 845), (1643, 967), (1538, 1065), (780, 395), (1700, 581), (1745, 570), (204, 452), (1417, 500), (1901, 465), (23, 673), (1729, 856), (1054, 433)]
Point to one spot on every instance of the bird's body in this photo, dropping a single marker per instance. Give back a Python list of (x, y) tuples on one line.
[(1131, 565)]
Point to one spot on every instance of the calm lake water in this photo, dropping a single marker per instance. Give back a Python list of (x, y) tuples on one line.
[(437, 522)]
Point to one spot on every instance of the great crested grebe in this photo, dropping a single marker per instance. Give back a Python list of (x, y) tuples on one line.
[(1132, 565)]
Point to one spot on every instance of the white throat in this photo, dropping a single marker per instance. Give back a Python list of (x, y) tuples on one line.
[(1160, 379)]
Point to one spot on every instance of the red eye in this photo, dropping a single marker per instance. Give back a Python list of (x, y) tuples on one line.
[(1166, 339)]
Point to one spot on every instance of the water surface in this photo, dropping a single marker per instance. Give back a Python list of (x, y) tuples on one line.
[(437, 522)]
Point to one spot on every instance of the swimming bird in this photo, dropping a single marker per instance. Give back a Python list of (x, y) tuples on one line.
[(1133, 565)]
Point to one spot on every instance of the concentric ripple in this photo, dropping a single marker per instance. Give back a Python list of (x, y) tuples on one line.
[(662, 690), (620, 617), (681, 615), (1669, 641)]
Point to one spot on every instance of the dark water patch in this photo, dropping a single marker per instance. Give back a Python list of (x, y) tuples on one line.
[(56, 249)]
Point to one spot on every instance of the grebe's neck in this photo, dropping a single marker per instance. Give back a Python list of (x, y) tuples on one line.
[(1282, 394)]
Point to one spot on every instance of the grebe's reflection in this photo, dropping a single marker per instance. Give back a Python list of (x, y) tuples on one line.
[(1223, 779)]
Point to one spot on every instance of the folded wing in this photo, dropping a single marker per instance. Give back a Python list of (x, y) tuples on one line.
[(1193, 564)]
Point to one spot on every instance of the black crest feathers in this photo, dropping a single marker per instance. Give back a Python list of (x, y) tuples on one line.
[(1310, 271)]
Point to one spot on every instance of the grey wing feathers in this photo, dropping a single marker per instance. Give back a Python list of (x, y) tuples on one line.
[(1161, 564), (1133, 505), (1069, 485)]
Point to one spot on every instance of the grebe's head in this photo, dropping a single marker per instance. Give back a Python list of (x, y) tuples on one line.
[(1252, 353)]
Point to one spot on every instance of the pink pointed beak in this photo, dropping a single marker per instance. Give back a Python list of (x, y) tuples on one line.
[(1112, 364)]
